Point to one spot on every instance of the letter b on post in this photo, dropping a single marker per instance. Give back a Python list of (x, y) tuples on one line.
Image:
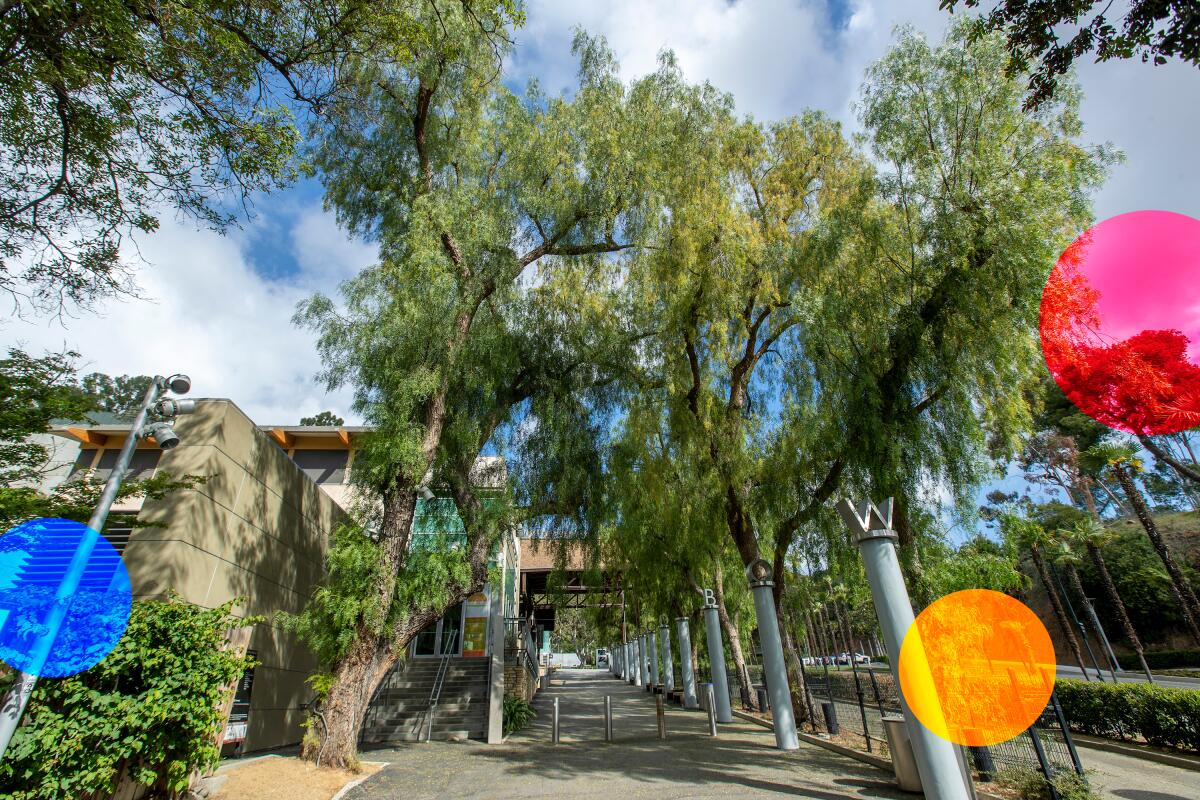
[(710, 599)]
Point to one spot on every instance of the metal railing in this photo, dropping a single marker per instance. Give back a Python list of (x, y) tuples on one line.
[(519, 646), (435, 694)]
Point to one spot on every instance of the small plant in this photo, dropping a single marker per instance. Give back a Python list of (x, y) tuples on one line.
[(1030, 784), (517, 714)]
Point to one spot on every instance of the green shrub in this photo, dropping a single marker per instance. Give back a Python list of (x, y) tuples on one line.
[(1161, 715), (151, 709), (517, 714), (1164, 659), (1029, 784)]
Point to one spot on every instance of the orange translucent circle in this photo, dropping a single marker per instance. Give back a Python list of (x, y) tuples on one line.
[(977, 667)]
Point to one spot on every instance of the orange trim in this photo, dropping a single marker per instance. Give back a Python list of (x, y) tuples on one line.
[(284, 438), (344, 435), (88, 436)]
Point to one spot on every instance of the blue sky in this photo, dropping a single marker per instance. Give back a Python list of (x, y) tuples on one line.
[(219, 307)]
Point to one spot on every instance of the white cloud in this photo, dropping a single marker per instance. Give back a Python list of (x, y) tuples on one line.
[(208, 312)]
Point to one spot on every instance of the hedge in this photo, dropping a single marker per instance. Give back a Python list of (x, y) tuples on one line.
[(148, 713), (1161, 715), (1164, 659)]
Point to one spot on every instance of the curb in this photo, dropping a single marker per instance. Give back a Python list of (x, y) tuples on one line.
[(1180, 760), (342, 791)]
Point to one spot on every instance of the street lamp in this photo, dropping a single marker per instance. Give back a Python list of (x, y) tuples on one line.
[(164, 412)]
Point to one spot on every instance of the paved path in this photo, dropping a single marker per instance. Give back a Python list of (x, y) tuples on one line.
[(741, 762)]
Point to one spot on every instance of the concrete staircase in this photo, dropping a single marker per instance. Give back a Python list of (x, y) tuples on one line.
[(400, 711)]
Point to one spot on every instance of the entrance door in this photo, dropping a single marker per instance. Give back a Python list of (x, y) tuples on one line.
[(441, 637)]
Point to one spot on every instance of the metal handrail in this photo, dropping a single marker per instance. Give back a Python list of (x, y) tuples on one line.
[(435, 694)]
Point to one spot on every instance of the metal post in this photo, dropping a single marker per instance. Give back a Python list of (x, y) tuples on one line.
[(638, 666), (712, 710), (668, 665), (716, 657), (685, 663), (1066, 731), (555, 734), (774, 670), (1112, 657), (661, 711), (646, 648), (1043, 761), (653, 653), (608, 730), (937, 762), (22, 688)]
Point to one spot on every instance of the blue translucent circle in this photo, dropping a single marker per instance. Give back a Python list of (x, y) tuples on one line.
[(35, 559)]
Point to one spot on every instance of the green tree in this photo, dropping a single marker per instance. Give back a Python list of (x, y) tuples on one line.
[(1033, 538), (1093, 537), (121, 396), (325, 418), (500, 220), (1124, 465), (1055, 33), (113, 110)]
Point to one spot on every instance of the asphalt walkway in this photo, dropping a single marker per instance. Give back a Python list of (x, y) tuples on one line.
[(741, 762)]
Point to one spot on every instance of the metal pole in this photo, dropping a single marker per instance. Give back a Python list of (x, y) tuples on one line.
[(608, 730), (716, 657), (685, 663), (937, 762), (18, 696), (654, 676), (1043, 761), (1112, 657), (555, 720), (774, 669), (712, 710), (661, 711), (639, 669), (1066, 731), (1083, 633), (664, 636)]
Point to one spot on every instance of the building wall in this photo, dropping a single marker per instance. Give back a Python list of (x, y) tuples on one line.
[(258, 530)]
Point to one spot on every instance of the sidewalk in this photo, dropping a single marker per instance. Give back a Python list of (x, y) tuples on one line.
[(741, 762)]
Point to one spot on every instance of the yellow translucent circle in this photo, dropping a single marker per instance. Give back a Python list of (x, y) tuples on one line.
[(977, 667)]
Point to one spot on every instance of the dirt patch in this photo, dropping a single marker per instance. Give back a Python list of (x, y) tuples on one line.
[(285, 779)]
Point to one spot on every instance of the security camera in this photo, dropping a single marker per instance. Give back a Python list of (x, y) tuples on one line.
[(172, 408), (163, 434), (180, 384)]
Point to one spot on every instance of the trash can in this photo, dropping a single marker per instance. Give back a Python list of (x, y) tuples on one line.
[(831, 720), (904, 763), (703, 698), (764, 702)]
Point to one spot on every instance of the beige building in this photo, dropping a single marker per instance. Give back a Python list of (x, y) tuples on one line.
[(258, 529)]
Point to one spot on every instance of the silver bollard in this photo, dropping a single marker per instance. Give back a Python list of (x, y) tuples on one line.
[(712, 709), (555, 734), (660, 709), (608, 732)]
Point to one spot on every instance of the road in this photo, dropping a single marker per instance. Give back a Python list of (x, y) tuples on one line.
[(1170, 681)]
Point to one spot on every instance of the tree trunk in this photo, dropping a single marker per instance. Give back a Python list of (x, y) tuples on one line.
[(1114, 598), (1056, 603), (749, 698), (795, 667), (1188, 473), (1183, 590)]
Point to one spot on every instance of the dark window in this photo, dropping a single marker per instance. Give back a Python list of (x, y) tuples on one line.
[(118, 531), (141, 466), (323, 466)]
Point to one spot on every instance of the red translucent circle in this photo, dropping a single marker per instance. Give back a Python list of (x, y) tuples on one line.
[(1120, 322)]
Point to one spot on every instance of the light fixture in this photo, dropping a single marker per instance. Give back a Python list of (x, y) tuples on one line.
[(163, 434), (171, 407), (179, 383)]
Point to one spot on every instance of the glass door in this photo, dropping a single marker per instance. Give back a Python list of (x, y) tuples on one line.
[(442, 637)]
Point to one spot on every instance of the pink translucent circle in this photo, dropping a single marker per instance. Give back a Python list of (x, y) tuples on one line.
[(1120, 322)]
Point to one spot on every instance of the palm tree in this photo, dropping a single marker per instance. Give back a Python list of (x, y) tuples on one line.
[(1033, 537), (1094, 537), (1123, 466)]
